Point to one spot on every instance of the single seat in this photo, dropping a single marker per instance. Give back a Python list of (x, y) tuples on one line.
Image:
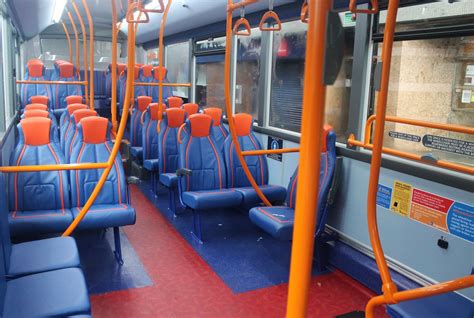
[(39, 201), (174, 102), (191, 109), (74, 99), (65, 122), (146, 76), (70, 138), (138, 90), (257, 165), (108, 81), (39, 100), (34, 72), (36, 106), (66, 72), (278, 220), (136, 149), (111, 207), (219, 132), (202, 183), (35, 113), (154, 90)]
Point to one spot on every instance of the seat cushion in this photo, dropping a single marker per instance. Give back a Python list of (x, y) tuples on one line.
[(52, 294), (213, 199), (136, 152), (272, 192), (106, 215), (277, 220), (169, 180), (46, 221), (43, 256), (151, 164)]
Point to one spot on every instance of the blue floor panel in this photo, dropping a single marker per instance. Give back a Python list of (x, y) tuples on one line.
[(240, 253), (103, 273)]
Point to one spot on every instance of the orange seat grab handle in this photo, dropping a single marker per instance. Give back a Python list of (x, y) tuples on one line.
[(135, 6), (141, 8), (374, 10), (179, 133), (304, 16), (142, 117), (242, 22), (268, 16)]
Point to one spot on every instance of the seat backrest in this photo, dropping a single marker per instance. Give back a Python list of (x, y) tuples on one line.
[(174, 102), (191, 109), (153, 91), (65, 121), (151, 118), (64, 71), (108, 79), (168, 150), (74, 99), (135, 124), (198, 152), (34, 72), (39, 100), (36, 106), (257, 164), (94, 145), (70, 137), (37, 191), (138, 90), (6, 246), (219, 132)]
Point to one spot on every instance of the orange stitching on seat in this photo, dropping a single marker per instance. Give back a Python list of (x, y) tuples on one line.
[(61, 193), (78, 192), (187, 166), (272, 216), (118, 174), (218, 161), (163, 148), (16, 176), (259, 157)]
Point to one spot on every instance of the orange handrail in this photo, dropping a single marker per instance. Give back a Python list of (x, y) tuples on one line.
[(304, 12), (52, 82), (161, 48), (314, 96), (113, 93), (228, 106), (68, 37), (91, 52), (269, 151), (76, 39), (59, 167), (84, 48), (179, 133), (164, 84)]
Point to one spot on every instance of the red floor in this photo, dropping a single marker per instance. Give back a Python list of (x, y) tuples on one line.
[(185, 286)]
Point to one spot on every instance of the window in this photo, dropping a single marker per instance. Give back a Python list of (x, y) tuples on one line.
[(248, 73), (287, 81), (177, 63), (153, 57), (210, 81)]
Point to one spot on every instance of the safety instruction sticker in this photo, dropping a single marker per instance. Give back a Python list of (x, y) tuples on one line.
[(430, 209)]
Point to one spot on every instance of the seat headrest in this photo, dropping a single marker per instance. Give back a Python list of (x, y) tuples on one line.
[(94, 129), (36, 131), (34, 106), (136, 72), (39, 100), (33, 113), (191, 109), (35, 68), (199, 125), (138, 65), (73, 99), (73, 107), (156, 113), (174, 102), (159, 72), (65, 68), (33, 61), (215, 113), (147, 70), (121, 67), (83, 113), (326, 130), (175, 117), (143, 102), (243, 124)]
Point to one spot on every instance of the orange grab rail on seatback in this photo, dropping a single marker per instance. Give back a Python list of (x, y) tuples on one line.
[(113, 69), (76, 39), (373, 10), (84, 49), (91, 53), (269, 151), (164, 84), (68, 37), (179, 132), (304, 12), (52, 82)]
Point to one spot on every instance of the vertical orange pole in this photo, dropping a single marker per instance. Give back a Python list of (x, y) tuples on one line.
[(76, 38), (388, 287), (161, 48), (91, 52), (314, 97), (68, 41), (113, 105), (84, 47)]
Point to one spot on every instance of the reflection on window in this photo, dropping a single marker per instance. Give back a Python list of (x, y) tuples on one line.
[(153, 57), (210, 81), (289, 48), (432, 80), (177, 63), (248, 73)]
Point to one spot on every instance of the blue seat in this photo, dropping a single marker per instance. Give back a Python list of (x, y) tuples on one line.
[(202, 183), (65, 123), (70, 136), (219, 132), (66, 72), (35, 71), (151, 118), (154, 90), (39, 201), (36, 113), (136, 148), (108, 81), (146, 76), (257, 165), (111, 207), (278, 221), (138, 90)]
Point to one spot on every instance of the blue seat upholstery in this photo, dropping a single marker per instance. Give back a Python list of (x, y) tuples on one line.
[(151, 118), (108, 81), (138, 90), (136, 126), (257, 164), (146, 76), (219, 132), (110, 208), (64, 71), (154, 90), (278, 221), (35, 71), (65, 123), (71, 134), (39, 201)]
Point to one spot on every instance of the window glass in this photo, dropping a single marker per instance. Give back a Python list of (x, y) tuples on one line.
[(248, 73), (432, 80), (177, 63), (289, 49), (153, 57), (210, 81)]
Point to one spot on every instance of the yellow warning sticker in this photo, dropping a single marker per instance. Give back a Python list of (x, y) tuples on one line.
[(401, 198)]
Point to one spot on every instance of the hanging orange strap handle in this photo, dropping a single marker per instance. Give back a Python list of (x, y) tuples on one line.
[(304, 12), (131, 10), (268, 17), (242, 22), (374, 10), (141, 8)]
